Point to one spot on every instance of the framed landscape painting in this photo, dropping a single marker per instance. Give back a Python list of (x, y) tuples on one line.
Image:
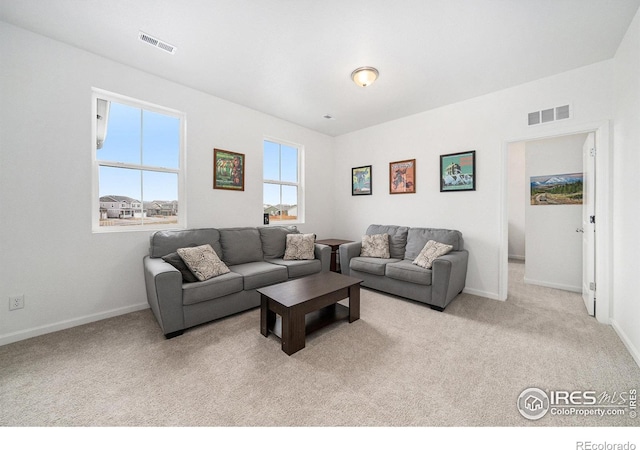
[(458, 172), (402, 177), (361, 180), (562, 189), (228, 170)]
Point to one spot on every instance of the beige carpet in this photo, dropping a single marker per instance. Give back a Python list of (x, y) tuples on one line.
[(401, 364)]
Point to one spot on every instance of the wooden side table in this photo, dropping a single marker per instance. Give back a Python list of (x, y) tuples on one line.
[(334, 244)]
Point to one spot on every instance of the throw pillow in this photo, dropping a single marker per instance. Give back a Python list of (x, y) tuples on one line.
[(203, 262), (300, 246), (375, 245), (176, 261), (430, 252)]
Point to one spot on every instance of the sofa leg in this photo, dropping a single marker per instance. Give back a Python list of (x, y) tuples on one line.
[(173, 334), (436, 308)]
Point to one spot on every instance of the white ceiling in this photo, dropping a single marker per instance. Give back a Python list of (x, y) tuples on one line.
[(293, 58)]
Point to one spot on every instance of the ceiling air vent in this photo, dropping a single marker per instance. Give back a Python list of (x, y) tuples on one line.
[(549, 115), (144, 37)]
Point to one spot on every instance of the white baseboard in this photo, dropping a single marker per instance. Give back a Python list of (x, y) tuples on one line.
[(635, 354), (45, 329), (563, 287), (480, 293)]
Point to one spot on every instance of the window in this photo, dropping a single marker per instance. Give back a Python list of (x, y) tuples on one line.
[(282, 188), (138, 165)]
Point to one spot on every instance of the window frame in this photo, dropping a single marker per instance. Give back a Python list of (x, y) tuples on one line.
[(97, 163), (300, 218)]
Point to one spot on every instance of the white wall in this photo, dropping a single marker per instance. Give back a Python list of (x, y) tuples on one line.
[(553, 247), (517, 199), (68, 275), (483, 124), (626, 206)]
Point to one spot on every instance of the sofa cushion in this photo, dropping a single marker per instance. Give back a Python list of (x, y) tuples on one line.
[(203, 262), (430, 252), (168, 241), (299, 268), (374, 266), (407, 271), (260, 274), (397, 238), (375, 246), (240, 245), (417, 238), (300, 246), (213, 288), (176, 261), (274, 240)]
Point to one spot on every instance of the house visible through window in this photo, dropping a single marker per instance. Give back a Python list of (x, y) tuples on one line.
[(138, 155), (282, 187)]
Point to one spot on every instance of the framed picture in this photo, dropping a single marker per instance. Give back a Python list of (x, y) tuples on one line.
[(458, 172), (361, 180), (402, 177), (561, 189), (228, 170)]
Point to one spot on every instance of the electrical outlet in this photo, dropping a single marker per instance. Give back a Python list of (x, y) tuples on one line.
[(16, 302)]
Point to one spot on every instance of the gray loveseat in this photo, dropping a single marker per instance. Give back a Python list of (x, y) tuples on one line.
[(254, 256), (398, 275)]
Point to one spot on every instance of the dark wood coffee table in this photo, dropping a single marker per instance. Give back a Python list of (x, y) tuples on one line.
[(306, 304)]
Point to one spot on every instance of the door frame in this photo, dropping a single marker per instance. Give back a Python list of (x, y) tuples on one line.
[(604, 204), (588, 227)]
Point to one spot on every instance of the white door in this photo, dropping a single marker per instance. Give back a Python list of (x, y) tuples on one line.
[(589, 225)]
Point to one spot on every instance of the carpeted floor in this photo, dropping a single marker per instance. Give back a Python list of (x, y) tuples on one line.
[(401, 364)]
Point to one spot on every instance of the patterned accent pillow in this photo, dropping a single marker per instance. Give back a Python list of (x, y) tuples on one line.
[(300, 246), (375, 245), (203, 262), (430, 252)]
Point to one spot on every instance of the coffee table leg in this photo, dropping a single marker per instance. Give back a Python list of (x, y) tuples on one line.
[(264, 315), (354, 303), (293, 331)]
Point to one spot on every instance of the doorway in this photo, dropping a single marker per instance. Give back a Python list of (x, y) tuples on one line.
[(545, 211), (601, 266)]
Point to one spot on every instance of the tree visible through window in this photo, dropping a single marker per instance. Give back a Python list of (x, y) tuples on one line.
[(281, 188), (138, 155)]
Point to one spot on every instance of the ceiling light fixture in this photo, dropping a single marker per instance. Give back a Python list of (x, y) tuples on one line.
[(364, 76)]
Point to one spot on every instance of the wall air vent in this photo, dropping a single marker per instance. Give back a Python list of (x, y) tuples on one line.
[(144, 37), (549, 115), (562, 112)]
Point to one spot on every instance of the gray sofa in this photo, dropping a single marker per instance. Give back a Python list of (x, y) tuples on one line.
[(398, 275), (253, 254)]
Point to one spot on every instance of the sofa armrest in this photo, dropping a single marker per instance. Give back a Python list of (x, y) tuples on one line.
[(348, 251), (323, 253), (449, 277), (164, 294)]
